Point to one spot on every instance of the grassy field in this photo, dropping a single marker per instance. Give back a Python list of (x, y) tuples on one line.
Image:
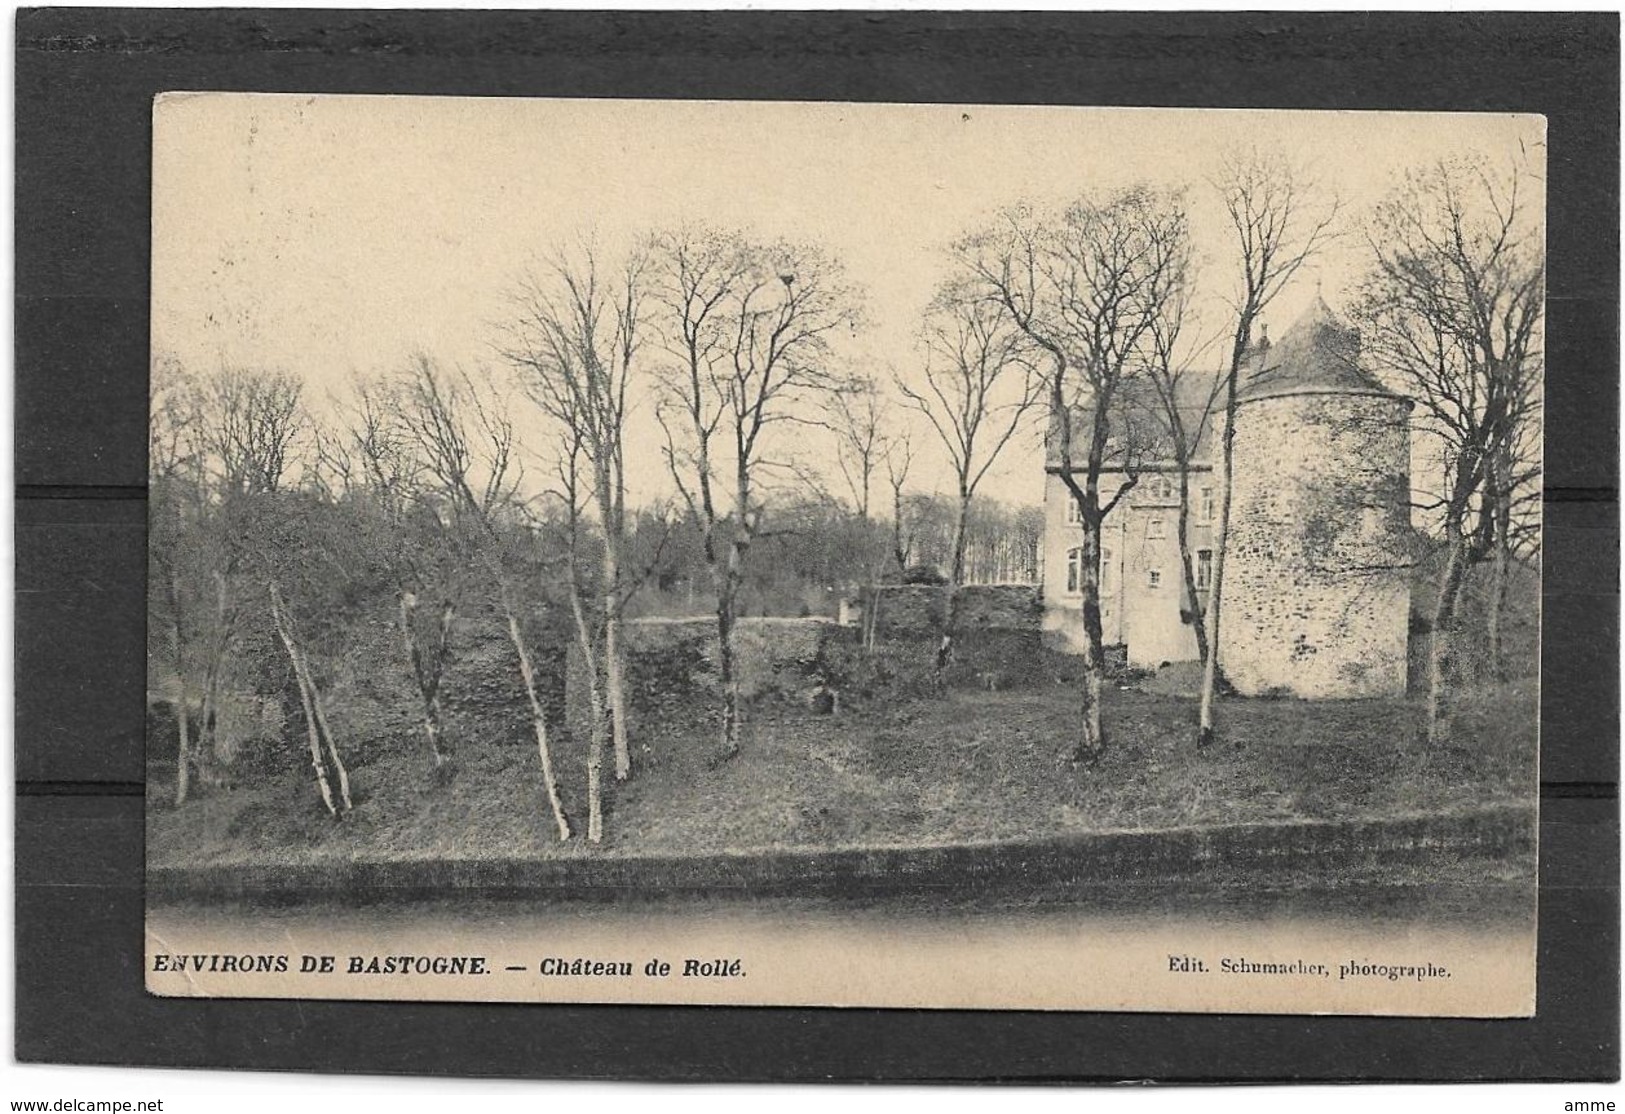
[(968, 767)]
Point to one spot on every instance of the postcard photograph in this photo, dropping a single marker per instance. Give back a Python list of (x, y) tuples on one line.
[(831, 554)]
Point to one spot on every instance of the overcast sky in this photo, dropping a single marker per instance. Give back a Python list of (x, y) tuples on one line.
[(328, 235)]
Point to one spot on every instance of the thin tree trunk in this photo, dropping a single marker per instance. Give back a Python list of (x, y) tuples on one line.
[(1092, 739), (1192, 593), (956, 577), (1215, 602), (609, 513), (1493, 635), (1441, 639), (327, 733), (727, 629), (899, 550), (280, 619), (595, 781), (206, 746), (597, 712), (615, 695), (1092, 731), (539, 719), (203, 746), (313, 736), (871, 617), (727, 673), (301, 667), (183, 758), (427, 677), (448, 615), (1499, 578)]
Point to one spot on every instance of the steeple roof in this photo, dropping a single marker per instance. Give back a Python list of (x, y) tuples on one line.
[(1318, 354)]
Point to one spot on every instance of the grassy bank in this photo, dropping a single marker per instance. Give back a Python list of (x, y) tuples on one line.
[(967, 767)]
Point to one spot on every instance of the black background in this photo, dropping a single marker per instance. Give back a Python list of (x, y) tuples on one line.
[(85, 81)]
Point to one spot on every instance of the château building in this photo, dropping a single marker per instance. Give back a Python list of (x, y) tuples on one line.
[(1317, 590)]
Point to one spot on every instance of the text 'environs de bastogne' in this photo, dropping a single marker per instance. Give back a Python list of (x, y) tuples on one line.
[(552, 966)]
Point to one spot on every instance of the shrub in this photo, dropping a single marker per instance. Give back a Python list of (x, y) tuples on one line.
[(924, 574)]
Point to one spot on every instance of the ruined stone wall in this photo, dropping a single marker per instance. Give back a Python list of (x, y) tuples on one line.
[(998, 638), (918, 610), (371, 701), (671, 664), (907, 610), (1316, 595)]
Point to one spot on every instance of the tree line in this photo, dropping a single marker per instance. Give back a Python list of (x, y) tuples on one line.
[(493, 488)]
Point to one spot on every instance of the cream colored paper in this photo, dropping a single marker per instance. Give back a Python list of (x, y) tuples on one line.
[(335, 235)]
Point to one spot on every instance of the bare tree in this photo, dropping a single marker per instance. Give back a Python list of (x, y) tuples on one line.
[(591, 642), (1453, 313), (464, 442), (857, 417), (373, 457), (899, 462), (173, 463), (1513, 532), (865, 443), (574, 338), (255, 430), (1084, 286), (979, 386), (748, 326), (244, 431), (324, 752), (1277, 229), (253, 427)]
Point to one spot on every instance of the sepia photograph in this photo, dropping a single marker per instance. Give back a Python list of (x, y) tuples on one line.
[(831, 554)]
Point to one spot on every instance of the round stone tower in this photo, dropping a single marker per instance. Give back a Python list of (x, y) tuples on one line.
[(1316, 581)]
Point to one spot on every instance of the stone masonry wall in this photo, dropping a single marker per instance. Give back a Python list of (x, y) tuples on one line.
[(917, 610), (1316, 598), (671, 663)]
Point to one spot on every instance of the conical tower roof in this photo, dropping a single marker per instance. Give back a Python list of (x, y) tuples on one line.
[(1318, 355)]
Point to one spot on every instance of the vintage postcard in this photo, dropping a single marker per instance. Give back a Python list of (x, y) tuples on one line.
[(842, 554)]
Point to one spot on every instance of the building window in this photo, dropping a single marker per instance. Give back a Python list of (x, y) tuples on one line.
[(1162, 488), (1204, 505), (1072, 516), (1204, 569), (1156, 528), (1074, 571), (1153, 579)]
